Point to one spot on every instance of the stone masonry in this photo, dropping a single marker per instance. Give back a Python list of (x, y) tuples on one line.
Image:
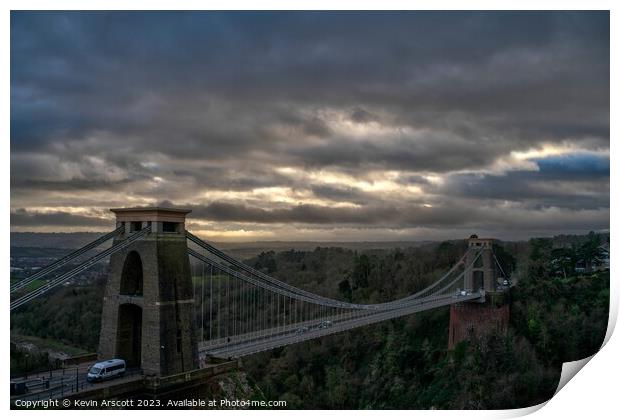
[(473, 319), (148, 302)]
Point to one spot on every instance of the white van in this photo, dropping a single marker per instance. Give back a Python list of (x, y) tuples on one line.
[(108, 369)]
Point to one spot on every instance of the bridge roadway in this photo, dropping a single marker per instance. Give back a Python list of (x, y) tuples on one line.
[(293, 333), (64, 382)]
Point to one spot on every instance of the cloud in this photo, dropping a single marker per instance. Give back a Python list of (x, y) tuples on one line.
[(211, 109), (306, 214), (24, 218), (450, 214), (579, 181)]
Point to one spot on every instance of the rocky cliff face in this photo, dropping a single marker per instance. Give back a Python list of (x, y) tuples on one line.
[(237, 386), (228, 391)]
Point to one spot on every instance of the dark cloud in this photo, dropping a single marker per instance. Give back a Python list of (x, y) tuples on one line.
[(307, 214), (184, 105), (360, 115), (24, 218), (483, 66), (346, 194), (69, 185), (427, 151), (450, 215)]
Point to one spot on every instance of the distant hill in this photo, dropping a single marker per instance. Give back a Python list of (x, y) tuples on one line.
[(251, 249), (240, 249), (52, 240)]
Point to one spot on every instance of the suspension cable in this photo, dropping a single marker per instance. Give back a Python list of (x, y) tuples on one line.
[(87, 264), (66, 259)]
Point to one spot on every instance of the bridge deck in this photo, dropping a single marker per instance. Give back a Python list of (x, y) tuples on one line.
[(270, 339)]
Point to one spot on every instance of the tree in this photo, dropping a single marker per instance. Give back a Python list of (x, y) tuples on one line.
[(344, 287), (506, 260), (361, 272), (590, 251)]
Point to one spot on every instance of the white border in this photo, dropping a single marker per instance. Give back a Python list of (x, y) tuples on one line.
[(592, 394)]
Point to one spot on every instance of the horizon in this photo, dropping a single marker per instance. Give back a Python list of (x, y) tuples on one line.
[(584, 233)]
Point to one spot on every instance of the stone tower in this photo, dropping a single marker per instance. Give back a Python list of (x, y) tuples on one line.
[(147, 314), (481, 274), (477, 318)]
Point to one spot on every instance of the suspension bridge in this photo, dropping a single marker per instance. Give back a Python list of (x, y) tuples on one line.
[(172, 299)]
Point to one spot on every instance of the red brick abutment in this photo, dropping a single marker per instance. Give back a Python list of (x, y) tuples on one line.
[(473, 319)]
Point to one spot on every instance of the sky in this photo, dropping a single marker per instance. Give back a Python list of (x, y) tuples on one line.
[(315, 126)]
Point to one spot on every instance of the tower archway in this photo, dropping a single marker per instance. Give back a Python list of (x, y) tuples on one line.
[(478, 280), (132, 277), (129, 334)]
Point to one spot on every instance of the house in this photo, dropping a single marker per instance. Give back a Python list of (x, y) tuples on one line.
[(603, 263)]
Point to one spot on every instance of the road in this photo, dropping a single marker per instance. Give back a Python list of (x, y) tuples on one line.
[(63, 382)]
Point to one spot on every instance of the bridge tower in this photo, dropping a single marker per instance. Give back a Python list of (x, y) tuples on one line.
[(147, 314), (481, 274), (475, 318)]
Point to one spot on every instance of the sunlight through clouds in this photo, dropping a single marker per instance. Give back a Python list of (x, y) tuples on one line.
[(312, 137)]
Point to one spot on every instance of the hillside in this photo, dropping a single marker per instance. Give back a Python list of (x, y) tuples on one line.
[(402, 363)]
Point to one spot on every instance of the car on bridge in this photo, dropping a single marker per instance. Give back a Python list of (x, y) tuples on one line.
[(302, 330), (325, 324), (107, 369)]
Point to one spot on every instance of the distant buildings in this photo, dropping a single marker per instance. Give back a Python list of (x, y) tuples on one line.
[(599, 264), (603, 263)]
